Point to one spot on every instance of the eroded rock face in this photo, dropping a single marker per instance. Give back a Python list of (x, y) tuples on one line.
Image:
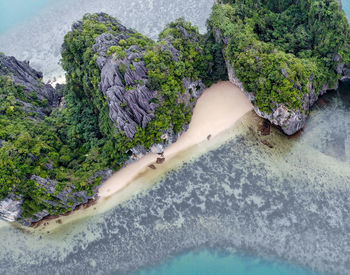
[(22, 74), (340, 3), (290, 121), (31, 80), (124, 82), (132, 104), (67, 198)]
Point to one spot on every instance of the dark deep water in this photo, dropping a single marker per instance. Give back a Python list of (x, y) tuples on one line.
[(242, 208)]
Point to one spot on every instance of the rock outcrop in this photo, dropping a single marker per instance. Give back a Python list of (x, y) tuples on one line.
[(67, 198), (124, 82), (22, 74), (35, 91), (132, 104), (289, 120), (340, 3), (31, 80), (11, 209)]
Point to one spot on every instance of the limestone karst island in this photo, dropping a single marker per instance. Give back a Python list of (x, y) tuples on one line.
[(183, 137)]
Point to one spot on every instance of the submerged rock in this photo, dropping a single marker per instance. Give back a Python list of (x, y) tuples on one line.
[(265, 128)]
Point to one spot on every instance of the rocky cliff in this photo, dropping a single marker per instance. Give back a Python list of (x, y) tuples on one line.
[(290, 120), (31, 80), (136, 78), (33, 101), (273, 102), (114, 96)]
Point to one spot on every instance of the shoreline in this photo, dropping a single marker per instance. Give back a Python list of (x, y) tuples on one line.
[(219, 108)]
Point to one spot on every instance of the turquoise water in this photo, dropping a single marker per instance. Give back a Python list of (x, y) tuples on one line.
[(14, 12), (346, 6), (153, 228), (211, 263)]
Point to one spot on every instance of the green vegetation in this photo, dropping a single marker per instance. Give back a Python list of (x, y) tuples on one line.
[(165, 75), (72, 144), (280, 48), (31, 146)]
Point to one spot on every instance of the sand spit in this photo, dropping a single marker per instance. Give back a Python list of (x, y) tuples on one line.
[(217, 110)]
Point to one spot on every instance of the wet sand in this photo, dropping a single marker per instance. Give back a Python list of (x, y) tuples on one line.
[(217, 110), (216, 113)]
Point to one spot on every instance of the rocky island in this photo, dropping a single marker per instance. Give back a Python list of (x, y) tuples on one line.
[(126, 95), (283, 54)]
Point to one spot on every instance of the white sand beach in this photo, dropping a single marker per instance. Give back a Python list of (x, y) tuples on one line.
[(217, 110), (216, 113)]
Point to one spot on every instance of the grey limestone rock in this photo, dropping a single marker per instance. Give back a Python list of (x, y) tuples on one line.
[(31, 80), (103, 174), (22, 74), (124, 82), (340, 3), (67, 198), (290, 121)]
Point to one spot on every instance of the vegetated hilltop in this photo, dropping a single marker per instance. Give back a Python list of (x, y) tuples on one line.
[(125, 95), (283, 53)]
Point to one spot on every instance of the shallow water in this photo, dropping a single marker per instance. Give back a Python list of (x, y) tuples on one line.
[(39, 38), (241, 208), (16, 12), (288, 203)]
